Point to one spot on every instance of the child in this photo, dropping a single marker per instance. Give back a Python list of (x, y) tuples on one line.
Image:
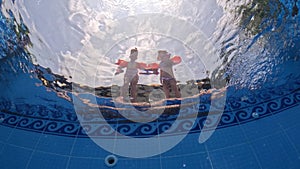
[(131, 76), (167, 78)]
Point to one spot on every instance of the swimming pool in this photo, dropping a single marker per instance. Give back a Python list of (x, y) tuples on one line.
[(60, 104)]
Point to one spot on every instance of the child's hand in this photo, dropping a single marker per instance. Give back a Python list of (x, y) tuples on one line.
[(118, 71)]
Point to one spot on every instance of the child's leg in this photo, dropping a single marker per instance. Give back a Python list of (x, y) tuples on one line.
[(124, 89), (166, 88), (133, 87), (175, 88)]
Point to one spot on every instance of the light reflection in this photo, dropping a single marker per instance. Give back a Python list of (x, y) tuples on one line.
[(87, 30)]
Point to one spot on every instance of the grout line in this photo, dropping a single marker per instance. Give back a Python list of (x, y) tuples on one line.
[(289, 140), (255, 156), (159, 144), (210, 162), (115, 137), (35, 147), (250, 145), (72, 148)]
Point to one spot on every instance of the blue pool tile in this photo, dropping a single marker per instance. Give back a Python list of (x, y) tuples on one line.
[(198, 161), (188, 145), (294, 136), (55, 144), (276, 151), (14, 157), (144, 163), (1, 147), (139, 163), (261, 127), (85, 147), (5, 132), (226, 137), (24, 138), (86, 163), (288, 118), (237, 157), (47, 161)]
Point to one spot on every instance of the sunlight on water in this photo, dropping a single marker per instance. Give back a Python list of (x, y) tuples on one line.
[(82, 40), (92, 35)]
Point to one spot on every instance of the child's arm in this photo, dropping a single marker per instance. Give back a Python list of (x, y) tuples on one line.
[(122, 64), (148, 69), (141, 65), (176, 60), (119, 70)]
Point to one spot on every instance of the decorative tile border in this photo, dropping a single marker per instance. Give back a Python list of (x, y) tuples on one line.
[(240, 108)]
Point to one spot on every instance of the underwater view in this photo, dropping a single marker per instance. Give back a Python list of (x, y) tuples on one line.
[(158, 84)]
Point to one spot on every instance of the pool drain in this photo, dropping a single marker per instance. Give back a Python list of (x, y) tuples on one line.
[(111, 160)]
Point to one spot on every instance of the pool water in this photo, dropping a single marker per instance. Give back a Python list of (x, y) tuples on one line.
[(61, 104)]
